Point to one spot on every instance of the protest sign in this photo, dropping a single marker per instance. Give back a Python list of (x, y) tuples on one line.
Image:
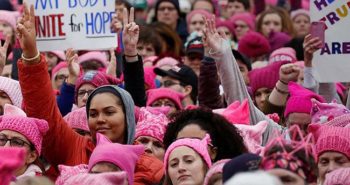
[(77, 24), (332, 63)]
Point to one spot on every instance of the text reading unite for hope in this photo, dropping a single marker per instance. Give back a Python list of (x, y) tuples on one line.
[(50, 25)]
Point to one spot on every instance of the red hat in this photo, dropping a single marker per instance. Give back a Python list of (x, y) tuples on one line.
[(253, 44)]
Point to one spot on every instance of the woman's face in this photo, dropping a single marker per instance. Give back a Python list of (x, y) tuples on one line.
[(287, 177), (51, 59), (6, 29), (18, 140), (271, 22), (330, 161), (152, 146), (241, 28), (106, 116), (234, 7), (60, 77), (185, 166), (226, 31), (196, 23), (163, 102), (83, 93), (260, 96), (301, 25), (145, 50)]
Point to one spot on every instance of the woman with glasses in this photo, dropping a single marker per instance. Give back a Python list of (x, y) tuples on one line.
[(18, 130)]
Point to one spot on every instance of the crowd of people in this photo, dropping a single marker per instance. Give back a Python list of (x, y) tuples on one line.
[(198, 92)]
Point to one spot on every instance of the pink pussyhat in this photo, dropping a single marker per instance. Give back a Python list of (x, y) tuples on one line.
[(217, 168), (57, 68), (106, 178), (69, 171), (246, 17), (33, 129), (236, 113), (167, 61), (12, 89), (122, 156), (338, 176), (252, 135), (283, 54), (300, 99), (331, 114), (94, 56), (151, 125), (203, 13), (77, 119), (8, 17), (11, 159), (331, 139), (199, 146), (164, 93)]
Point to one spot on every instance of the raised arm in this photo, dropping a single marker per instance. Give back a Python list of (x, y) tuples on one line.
[(39, 100)]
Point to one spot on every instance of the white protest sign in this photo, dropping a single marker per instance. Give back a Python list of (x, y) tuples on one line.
[(332, 63), (77, 24)]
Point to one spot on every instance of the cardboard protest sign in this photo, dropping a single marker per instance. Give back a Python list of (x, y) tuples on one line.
[(77, 24), (332, 63)]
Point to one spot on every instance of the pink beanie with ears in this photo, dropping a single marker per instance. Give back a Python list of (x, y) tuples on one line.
[(286, 54), (331, 139), (106, 178), (122, 156), (338, 177), (199, 146), (331, 114), (160, 93), (16, 120), (203, 13), (8, 17), (152, 125), (77, 119), (12, 89), (11, 158), (94, 55), (68, 171), (236, 113), (300, 99), (246, 17)]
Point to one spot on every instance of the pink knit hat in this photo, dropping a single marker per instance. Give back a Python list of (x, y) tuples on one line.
[(94, 55), (228, 24), (265, 77), (217, 168), (57, 68), (300, 99), (283, 54), (331, 114), (153, 125), (236, 113), (106, 178), (339, 176), (246, 17), (252, 135), (156, 94), (150, 77), (253, 44), (16, 120), (199, 146), (11, 158), (167, 61), (203, 13), (12, 89), (123, 156), (298, 12), (95, 78), (9, 18), (59, 54), (332, 139), (69, 171), (77, 119)]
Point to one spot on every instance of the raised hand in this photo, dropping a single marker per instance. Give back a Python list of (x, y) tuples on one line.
[(26, 35), (3, 53), (310, 45), (131, 33), (212, 39), (73, 66), (289, 72), (112, 66), (116, 25)]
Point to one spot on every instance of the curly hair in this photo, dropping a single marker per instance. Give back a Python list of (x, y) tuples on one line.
[(225, 137)]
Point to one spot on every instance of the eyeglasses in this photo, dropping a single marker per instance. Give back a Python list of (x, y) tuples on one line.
[(169, 83), (162, 9), (81, 93), (240, 26), (15, 142), (61, 77)]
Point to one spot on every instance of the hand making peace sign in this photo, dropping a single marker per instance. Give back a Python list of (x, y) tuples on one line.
[(131, 33)]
